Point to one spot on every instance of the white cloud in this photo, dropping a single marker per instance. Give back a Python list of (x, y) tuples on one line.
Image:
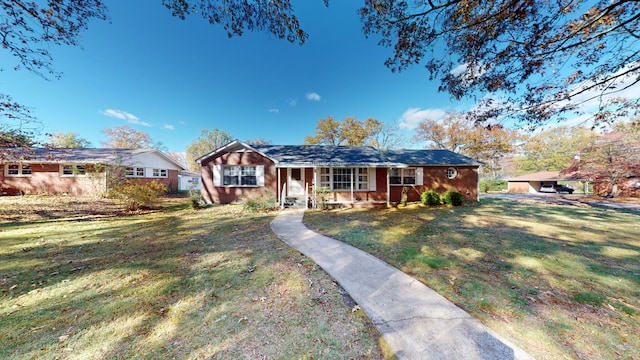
[(169, 127), (313, 96), (292, 102), (413, 116), (274, 111), (123, 115)]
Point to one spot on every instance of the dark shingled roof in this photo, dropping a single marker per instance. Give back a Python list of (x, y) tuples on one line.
[(329, 155)]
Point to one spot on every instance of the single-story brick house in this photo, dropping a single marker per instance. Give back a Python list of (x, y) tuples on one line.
[(80, 172), (341, 174)]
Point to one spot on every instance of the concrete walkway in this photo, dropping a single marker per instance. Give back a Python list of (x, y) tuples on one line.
[(415, 321)]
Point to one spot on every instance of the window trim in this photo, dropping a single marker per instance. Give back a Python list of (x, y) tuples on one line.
[(241, 175), (134, 171), (74, 170), (20, 170), (360, 180), (402, 176), (160, 173)]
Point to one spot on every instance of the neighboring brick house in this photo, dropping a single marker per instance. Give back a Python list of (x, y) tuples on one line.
[(80, 172), (342, 174)]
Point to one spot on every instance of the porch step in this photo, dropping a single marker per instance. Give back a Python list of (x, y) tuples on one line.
[(295, 202)]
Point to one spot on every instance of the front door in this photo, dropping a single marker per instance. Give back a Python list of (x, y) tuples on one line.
[(296, 181)]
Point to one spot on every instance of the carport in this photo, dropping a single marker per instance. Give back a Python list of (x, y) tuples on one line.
[(531, 183)]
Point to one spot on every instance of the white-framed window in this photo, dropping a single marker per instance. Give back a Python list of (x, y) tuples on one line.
[(325, 178), (404, 176), (341, 179), (239, 175), (133, 171), (73, 170), (452, 173), (18, 170), (160, 173)]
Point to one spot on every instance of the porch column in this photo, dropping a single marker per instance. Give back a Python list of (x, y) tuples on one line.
[(352, 174), (388, 189), (278, 187)]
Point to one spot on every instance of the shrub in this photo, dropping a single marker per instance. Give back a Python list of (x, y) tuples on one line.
[(195, 199), (264, 202), (138, 194), (430, 197), (487, 185), (452, 197)]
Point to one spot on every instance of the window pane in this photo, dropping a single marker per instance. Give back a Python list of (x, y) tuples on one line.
[(67, 170), (140, 172), (249, 180), (230, 180), (81, 169), (26, 169), (14, 169), (128, 171)]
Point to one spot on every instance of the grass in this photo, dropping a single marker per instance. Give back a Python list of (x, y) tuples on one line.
[(559, 281), (84, 280)]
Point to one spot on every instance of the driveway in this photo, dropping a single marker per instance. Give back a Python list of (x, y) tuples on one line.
[(564, 199)]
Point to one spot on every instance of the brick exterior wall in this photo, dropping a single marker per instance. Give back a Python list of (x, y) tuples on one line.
[(46, 179), (231, 194)]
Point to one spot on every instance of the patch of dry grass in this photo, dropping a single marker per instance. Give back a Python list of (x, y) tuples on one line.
[(79, 281), (560, 281)]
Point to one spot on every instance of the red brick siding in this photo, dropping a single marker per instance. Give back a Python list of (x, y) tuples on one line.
[(46, 179), (435, 178), (229, 194)]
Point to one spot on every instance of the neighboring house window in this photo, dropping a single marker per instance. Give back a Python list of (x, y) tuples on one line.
[(452, 173), (18, 170), (237, 175), (74, 170), (406, 176), (340, 179), (160, 173), (134, 171)]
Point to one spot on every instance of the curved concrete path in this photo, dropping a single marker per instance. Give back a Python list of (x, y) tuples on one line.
[(415, 321)]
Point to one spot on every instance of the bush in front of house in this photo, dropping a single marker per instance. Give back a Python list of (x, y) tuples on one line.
[(452, 197), (263, 202), (489, 185), (138, 194), (430, 197)]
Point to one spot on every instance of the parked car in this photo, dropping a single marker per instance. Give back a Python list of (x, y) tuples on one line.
[(550, 188), (563, 189)]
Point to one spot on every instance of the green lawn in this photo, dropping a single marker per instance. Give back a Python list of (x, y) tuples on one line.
[(559, 281), (82, 280)]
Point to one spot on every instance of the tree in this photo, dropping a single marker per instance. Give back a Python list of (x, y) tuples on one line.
[(351, 132), (125, 137), (553, 149), (67, 140), (458, 133), (610, 158), (388, 136), (208, 141), (539, 59)]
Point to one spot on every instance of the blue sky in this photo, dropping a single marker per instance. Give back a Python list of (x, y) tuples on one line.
[(171, 78)]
